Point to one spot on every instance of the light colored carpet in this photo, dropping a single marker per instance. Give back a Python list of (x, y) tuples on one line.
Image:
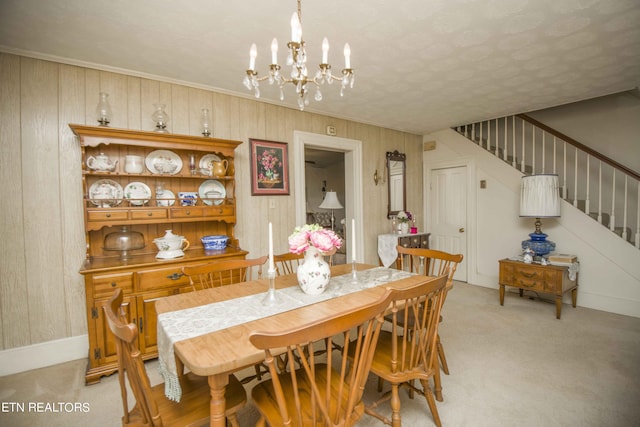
[(515, 365)]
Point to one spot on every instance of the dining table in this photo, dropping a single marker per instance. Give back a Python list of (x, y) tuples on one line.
[(208, 330)]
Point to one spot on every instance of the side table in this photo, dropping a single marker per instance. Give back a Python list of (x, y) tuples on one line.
[(551, 279)]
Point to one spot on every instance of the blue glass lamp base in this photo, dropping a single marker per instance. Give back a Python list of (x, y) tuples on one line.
[(539, 244)]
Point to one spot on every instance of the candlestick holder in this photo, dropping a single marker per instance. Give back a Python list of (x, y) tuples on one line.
[(271, 298), (354, 273)]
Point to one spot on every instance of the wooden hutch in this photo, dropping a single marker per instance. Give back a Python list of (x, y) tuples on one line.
[(157, 205)]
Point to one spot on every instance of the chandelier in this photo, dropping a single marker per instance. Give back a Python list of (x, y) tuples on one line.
[(297, 60)]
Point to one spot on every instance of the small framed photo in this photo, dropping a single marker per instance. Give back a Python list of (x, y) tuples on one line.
[(269, 168)]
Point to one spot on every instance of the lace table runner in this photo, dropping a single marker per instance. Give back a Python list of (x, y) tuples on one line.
[(180, 325)]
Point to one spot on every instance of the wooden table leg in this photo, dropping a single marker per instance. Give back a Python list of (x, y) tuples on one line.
[(574, 296), (217, 384), (558, 306), (501, 294)]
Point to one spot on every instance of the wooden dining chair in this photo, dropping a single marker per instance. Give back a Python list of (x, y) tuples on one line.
[(323, 390), (152, 408), (403, 357), (431, 262), (287, 263), (221, 273)]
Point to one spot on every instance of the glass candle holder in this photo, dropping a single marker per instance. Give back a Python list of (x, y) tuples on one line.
[(206, 122), (103, 109), (160, 117)]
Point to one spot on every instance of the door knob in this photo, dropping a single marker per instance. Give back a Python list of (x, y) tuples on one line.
[(461, 230)]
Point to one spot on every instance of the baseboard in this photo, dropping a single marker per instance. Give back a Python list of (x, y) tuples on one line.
[(44, 354)]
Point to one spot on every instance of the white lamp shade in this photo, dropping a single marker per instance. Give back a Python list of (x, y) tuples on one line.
[(539, 196), (331, 201)]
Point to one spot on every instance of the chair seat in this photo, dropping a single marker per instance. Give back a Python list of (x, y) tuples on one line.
[(193, 408), (381, 367), (263, 396)]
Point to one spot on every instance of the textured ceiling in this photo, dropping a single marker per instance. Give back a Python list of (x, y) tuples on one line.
[(421, 65)]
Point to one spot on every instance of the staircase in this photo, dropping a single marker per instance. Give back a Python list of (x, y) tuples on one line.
[(599, 187)]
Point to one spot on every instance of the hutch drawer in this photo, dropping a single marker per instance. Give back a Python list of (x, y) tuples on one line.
[(105, 285), (160, 278)]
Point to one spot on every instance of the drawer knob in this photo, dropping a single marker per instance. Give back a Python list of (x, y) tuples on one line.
[(175, 276), (108, 215), (188, 212), (150, 214), (113, 284)]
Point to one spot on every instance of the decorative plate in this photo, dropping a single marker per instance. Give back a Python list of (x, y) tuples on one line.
[(163, 162), (138, 193), (165, 198), (205, 161), (212, 192), (105, 193), (188, 198)]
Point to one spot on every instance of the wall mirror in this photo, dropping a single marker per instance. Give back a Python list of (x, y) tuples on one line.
[(396, 182)]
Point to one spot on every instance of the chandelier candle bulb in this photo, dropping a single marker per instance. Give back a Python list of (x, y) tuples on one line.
[(274, 51), (325, 51), (347, 56), (253, 52), (296, 28)]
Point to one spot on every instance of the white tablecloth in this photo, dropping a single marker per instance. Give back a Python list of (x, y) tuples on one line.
[(179, 325)]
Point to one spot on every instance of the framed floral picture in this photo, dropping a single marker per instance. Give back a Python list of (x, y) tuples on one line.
[(269, 168)]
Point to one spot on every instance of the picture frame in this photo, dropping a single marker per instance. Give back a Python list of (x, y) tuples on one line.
[(269, 161)]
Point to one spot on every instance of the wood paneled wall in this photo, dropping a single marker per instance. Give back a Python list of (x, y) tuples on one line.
[(42, 244)]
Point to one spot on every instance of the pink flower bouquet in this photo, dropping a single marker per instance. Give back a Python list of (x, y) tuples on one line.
[(326, 241)]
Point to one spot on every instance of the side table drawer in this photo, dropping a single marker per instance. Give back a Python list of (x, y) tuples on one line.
[(529, 277)]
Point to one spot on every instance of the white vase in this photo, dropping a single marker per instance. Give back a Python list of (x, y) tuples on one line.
[(314, 273), (404, 227)]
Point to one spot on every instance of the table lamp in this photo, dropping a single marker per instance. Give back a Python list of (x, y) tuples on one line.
[(331, 202), (539, 198)]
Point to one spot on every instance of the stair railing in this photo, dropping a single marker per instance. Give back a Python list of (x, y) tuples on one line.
[(534, 148)]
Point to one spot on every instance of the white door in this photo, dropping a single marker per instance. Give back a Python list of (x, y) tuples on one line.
[(448, 213)]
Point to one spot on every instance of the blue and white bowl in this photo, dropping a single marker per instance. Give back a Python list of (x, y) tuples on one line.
[(214, 242)]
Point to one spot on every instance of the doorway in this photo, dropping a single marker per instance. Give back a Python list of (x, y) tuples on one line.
[(353, 202)]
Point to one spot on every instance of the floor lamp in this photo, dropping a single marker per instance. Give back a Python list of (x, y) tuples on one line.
[(331, 202)]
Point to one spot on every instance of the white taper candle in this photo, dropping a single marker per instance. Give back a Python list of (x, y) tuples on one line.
[(271, 264), (353, 239)]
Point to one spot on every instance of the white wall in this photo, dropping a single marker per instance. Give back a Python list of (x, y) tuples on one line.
[(609, 124), (609, 268)]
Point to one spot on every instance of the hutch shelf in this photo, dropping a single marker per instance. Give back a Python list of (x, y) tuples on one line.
[(147, 183)]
